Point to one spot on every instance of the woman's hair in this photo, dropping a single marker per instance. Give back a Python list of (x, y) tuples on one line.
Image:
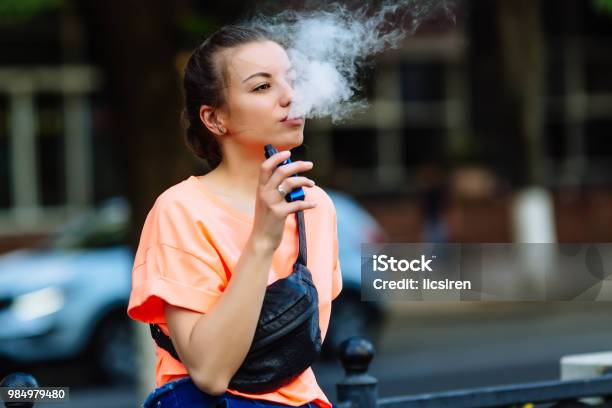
[(204, 83)]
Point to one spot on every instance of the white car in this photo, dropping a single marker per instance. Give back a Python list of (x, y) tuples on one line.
[(68, 299)]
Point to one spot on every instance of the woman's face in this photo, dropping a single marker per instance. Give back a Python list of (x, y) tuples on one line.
[(259, 96)]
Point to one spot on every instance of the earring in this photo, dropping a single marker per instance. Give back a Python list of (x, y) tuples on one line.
[(221, 129)]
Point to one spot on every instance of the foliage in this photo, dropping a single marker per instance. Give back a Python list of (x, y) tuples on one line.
[(13, 12), (603, 6), (194, 27)]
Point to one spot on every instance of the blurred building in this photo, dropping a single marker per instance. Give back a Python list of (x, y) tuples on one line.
[(56, 159), (515, 92)]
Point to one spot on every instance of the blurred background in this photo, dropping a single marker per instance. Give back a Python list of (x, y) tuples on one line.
[(493, 128)]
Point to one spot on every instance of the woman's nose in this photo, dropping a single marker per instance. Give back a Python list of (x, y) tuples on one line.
[(286, 96)]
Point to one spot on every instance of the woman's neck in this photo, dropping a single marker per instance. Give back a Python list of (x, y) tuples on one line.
[(238, 177)]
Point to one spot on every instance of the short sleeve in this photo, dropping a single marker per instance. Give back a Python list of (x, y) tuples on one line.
[(186, 273), (337, 273)]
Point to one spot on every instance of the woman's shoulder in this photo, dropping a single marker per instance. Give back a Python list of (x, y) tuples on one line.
[(173, 217), (175, 206), (175, 193), (178, 197), (321, 197)]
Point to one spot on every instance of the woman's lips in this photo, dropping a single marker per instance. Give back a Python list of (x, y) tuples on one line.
[(293, 122)]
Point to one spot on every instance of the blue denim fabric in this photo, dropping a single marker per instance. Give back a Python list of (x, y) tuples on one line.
[(184, 394)]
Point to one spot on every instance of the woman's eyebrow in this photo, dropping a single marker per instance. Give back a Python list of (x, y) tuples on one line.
[(263, 74)]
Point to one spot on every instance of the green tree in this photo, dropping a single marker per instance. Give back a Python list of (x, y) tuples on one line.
[(603, 6)]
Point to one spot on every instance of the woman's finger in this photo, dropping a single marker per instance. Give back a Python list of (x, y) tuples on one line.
[(270, 164), (288, 170), (284, 208), (291, 183)]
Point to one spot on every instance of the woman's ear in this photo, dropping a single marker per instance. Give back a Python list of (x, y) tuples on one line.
[(210, 119)]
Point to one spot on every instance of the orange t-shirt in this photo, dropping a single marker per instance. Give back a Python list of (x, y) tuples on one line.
[(190, 244)]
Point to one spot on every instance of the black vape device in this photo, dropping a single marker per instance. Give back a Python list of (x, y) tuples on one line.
[(295, 194)]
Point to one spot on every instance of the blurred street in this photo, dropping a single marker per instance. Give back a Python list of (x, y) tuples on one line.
[(434, 347)]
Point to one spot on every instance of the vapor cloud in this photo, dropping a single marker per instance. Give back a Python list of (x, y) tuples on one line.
[(328, 46)]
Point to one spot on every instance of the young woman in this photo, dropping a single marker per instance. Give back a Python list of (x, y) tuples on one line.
[(212, 244)]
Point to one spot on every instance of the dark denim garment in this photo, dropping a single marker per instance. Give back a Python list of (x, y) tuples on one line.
[(183, 393)]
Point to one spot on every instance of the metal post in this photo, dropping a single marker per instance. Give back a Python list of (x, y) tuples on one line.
[(19, 380), (357, 389)]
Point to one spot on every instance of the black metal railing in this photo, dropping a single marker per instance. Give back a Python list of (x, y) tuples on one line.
[(360, 390)]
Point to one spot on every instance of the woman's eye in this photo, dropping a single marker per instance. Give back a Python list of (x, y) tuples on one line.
[(262, 87)]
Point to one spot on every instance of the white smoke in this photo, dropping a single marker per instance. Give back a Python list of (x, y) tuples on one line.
[(328, 46)]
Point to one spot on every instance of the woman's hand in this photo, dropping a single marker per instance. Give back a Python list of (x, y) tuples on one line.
[(271, 209)]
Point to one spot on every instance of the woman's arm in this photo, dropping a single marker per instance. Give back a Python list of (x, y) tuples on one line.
[(213, 346)]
